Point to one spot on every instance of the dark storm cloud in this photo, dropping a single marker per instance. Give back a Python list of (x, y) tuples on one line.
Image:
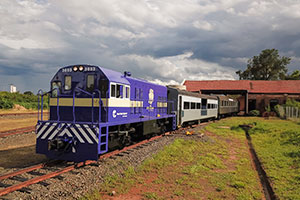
[(162, 41)]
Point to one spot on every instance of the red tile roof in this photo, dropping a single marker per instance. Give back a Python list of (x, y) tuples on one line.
[(282, 86)]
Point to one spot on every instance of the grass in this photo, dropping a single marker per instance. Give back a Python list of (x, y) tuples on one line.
[(219, 168), (277, 143)]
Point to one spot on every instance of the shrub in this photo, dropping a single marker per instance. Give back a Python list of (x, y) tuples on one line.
[(5, 103), (292, 103), (27, 100), (254, 113)]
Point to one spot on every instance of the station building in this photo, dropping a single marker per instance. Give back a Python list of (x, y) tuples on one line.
[(252, 94)]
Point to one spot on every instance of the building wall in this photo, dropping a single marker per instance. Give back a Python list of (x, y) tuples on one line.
[(263, 100)]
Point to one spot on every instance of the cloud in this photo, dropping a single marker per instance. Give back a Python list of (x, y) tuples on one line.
[(161, 41)]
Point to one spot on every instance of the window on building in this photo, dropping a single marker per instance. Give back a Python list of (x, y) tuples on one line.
[(68, 82), (186, 105)]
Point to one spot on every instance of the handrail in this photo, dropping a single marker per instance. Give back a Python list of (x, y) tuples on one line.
[(42, 94), (100, 100), (81, 90)]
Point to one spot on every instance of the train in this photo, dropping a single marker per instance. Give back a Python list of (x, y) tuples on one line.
[(94, 110)]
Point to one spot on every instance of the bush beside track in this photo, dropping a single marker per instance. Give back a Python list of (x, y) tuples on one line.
[(27, 100)]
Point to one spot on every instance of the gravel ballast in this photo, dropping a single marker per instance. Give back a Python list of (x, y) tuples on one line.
[(78, 182)]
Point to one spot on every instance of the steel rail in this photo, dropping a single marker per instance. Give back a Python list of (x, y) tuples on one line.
[(17, 114), (17, 131)]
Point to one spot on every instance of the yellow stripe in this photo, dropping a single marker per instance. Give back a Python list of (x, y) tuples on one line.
[(82, 102)]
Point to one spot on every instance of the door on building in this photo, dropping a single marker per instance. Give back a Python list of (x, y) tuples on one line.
[(252, 104), (273, 103)]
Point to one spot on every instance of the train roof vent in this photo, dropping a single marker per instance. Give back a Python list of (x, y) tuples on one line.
[(127, 74)]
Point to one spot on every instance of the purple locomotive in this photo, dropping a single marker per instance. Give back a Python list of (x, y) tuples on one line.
[(93, 109)]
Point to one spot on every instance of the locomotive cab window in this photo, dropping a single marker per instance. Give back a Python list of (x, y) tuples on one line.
[(68, 82), (90, 83), (127, 92), (113, 90), (103, 87), (57, 86), (119, 91)]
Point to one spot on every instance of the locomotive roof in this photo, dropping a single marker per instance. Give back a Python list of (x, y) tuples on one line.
[(114, 76)]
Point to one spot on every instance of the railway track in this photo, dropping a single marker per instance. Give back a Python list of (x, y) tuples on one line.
[(42, 172), (17, 131), (7, 115)]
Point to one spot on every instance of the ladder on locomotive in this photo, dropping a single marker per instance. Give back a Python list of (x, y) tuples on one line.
[(103, 139)]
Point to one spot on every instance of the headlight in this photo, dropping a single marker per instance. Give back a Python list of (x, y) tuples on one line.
[(75, 69), (81, 68)]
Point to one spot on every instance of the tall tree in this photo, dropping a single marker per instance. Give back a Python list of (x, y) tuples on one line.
[(294, 76), (268, 65)]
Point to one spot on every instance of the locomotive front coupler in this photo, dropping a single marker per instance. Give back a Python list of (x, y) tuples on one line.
[(61, 144)]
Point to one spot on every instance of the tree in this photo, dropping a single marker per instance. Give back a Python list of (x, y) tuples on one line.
[(268, 65), (294, 76), (28, 93)]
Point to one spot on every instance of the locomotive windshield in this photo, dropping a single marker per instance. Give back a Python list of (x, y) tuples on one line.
[(90, 82), (55, 85), (68, 82)]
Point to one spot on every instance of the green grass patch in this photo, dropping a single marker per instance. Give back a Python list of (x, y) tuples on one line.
[(192, 169), (277, 143)]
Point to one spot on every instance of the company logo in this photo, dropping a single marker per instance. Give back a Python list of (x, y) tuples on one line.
[(151, 99), (115, 114)]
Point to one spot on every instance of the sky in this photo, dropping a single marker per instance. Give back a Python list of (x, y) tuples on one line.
[(162, 41)]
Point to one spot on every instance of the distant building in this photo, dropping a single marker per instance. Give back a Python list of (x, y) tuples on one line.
[(254, 95), (13, 88)]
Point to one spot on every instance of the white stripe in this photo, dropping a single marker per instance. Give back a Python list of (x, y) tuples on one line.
[(49, 130), (42, 130), (65, 131), (77, 135), (91, 132), (84, 134), (55, 132), (37, 127)]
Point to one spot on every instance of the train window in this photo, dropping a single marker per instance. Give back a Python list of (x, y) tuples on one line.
[(208, 106), (137, 93), (90, 82), (119, 91), (113, 90), (198, 105), (186, 105), (127, 92), (68, 82), (56, 85), (141, 94), (103, 87), (193, 105)]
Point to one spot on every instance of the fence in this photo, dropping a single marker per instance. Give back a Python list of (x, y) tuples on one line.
[(292, 112)]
